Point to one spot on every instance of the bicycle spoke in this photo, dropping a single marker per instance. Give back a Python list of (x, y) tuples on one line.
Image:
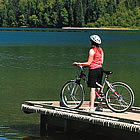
[(123, 101), (73, 98), (120, 98), (72, 94)]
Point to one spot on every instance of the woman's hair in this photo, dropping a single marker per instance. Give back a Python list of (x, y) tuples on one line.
[(95, 44)]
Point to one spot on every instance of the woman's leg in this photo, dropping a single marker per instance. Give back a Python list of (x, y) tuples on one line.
[(92, 97)]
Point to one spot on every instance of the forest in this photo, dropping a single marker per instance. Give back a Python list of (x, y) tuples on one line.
[(71, 13)]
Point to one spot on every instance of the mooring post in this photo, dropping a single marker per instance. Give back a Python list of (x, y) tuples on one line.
[(43, 125)]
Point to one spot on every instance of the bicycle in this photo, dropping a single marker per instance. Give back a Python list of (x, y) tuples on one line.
[(118, 96)]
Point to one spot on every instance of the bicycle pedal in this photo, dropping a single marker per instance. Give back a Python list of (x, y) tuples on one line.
[(100, 99), (102, 95)]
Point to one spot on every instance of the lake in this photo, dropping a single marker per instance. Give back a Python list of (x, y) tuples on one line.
[(34, 64)]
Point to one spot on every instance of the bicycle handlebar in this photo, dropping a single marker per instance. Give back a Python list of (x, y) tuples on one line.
[(81, 67)]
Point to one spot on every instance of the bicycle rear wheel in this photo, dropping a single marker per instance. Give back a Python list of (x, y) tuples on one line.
[(121, 98), (72, 94)]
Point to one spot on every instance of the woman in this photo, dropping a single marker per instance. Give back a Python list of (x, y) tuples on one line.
[(95, 61)]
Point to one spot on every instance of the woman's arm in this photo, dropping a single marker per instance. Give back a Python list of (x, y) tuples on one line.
[(90, 58), (103, 58)]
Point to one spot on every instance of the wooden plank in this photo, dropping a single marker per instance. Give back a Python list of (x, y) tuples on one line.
[(127, 116), (121, 116)]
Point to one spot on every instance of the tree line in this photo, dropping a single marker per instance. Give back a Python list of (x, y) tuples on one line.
[(59, 13)]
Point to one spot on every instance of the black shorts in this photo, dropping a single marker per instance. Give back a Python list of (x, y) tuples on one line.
[(95, 75)]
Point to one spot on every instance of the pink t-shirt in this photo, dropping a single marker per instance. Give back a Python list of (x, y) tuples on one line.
[(97, 59)]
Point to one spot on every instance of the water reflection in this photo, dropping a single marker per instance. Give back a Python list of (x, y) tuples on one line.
[(6, 134), (33, 63), (10, 133)]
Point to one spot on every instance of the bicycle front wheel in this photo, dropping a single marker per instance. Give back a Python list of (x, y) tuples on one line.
[(120, 97), (72, 94)]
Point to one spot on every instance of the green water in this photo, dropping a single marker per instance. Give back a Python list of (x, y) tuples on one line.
[(35, 64)]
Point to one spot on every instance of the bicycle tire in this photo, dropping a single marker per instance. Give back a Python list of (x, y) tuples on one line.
[(121, 102), (72, 94)]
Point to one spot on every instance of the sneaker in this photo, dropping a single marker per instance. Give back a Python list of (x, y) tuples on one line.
[(87, 109), (90, 110), (99, 108)]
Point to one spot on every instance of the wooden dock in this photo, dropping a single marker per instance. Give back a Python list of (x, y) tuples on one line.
[(125, 125)]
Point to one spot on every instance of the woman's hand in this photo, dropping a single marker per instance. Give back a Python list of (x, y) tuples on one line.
[(75, 63)]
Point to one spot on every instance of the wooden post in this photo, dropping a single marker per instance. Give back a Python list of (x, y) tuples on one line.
[(43, 125), (65, 126)]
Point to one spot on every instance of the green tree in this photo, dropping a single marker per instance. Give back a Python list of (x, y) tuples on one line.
[(50, 18), (54, 20), (33, 20), (4, 12), (40, 19), (22, 21), (111, 6), (46, 20), (103, 21), (58, 13), (100, 8), (64, 17), (69, 8), (137, 13), (23, 12), (11, 18), (79, 18), (57, 10), (90, 12)]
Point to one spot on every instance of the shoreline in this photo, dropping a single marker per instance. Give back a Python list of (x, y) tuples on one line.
[(101, 28)]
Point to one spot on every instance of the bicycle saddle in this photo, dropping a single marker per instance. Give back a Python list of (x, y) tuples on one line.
[(107, 72)]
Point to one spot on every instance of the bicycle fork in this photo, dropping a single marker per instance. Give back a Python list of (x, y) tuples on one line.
[(74, 90)]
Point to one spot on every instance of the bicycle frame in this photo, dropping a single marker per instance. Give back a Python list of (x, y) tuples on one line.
[(106, 82), (83, 76)]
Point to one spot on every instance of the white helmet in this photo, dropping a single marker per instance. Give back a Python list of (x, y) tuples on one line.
[(96, 39)]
